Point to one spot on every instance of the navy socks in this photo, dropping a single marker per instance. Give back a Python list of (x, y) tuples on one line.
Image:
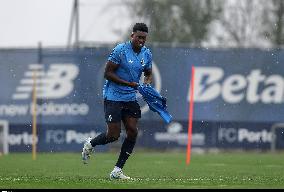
[(125, 152), (101, 139), (126, 148)]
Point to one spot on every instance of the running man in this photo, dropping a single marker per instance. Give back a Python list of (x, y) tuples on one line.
[(123, 70)]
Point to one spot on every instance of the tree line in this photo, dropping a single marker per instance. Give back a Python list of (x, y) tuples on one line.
[(215, 23)]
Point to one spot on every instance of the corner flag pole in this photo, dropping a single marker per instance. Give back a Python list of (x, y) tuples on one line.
[(190, 116), (34, 116)]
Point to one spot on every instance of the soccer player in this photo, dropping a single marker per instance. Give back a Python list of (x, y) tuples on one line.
[(123, 70)]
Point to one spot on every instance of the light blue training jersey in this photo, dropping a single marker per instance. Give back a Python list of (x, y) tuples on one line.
[(131, 66)]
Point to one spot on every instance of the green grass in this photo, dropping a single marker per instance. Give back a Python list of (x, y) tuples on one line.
[(150, 169)]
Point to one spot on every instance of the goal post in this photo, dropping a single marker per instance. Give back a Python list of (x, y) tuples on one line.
[(4, 134)]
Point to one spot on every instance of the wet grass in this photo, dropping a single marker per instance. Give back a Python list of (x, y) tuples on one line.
[(148, 170)]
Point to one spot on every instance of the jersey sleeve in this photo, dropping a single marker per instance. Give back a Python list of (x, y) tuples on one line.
[(115, 55)]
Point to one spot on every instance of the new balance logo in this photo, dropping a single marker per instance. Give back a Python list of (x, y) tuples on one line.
[(55, 83)]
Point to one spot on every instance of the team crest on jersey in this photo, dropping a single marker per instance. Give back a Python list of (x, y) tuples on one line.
[(142, 62)]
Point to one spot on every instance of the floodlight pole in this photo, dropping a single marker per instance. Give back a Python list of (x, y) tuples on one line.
[(74, 18), (76, 7)]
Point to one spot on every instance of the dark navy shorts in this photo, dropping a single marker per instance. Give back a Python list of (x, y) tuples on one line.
[(115, 111)]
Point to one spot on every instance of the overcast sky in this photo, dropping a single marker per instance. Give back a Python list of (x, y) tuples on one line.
[(27, 22)]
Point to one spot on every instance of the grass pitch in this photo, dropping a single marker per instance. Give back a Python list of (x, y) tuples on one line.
[(149, 169)]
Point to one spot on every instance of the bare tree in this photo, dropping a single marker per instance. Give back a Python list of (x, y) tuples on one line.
[(275, 27), (240, 24), (248, 23)]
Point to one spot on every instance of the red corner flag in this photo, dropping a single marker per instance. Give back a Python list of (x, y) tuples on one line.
[(190, 116)]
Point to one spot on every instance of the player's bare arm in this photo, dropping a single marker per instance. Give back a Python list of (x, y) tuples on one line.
[(148, 76), (110, 75)]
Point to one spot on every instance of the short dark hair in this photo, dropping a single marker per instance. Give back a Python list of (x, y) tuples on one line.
[(140, 27)]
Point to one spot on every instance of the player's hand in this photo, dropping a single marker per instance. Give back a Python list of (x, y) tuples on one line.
[(133, 84)]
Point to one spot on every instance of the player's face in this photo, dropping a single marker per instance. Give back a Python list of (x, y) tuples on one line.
[(139, 39)]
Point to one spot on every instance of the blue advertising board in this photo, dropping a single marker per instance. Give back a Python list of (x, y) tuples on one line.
[(53, 138), (231, 86), (152, 135)]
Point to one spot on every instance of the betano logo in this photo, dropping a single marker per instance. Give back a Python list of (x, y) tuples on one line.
[(255, 87), (55, 83)]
